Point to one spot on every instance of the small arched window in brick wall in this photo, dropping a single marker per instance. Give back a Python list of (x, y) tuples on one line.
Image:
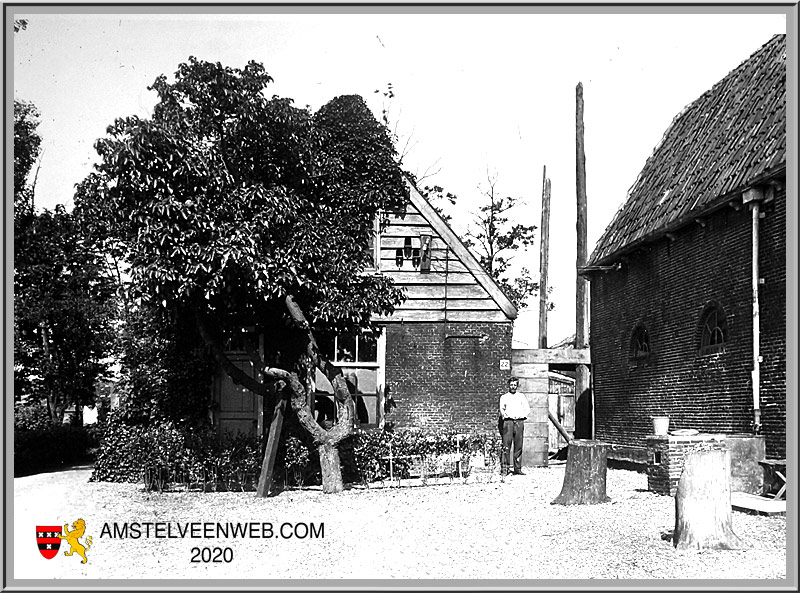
[(640, 343), (712, 331)]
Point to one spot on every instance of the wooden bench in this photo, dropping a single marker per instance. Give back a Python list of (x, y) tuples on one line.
[(775, 472)]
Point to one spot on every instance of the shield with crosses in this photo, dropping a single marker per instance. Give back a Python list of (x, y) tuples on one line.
[(49, 540)]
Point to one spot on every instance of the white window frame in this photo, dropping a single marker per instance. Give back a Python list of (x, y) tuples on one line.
[(379, 365)]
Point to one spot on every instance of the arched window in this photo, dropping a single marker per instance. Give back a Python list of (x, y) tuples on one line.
[(713, 329), (640, 343)]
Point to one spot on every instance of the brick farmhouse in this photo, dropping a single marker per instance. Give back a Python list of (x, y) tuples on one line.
[(688, 282)]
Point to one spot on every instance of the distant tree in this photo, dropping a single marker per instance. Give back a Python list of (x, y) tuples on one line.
[(63, 299), (242, 210), (493, 237), (27, 145)]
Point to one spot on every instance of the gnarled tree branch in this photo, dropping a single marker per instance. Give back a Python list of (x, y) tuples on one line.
[(346, 406)]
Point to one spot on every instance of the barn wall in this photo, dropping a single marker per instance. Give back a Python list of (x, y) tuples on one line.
[(666, 287), (772, 296), (445, 375)]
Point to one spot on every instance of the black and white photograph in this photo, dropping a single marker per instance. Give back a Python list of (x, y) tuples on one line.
[(386, 296)]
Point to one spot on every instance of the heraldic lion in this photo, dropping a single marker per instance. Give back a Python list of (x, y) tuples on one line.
[(78, 528)]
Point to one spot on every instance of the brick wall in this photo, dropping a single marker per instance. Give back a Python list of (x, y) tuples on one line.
[(666, 456), (666, 287), (772, 300), (446, 374)]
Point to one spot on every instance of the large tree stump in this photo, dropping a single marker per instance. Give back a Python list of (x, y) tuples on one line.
[(585, 475), (703, 503)]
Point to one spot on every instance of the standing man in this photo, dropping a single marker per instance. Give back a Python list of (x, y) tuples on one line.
[(514, 409)]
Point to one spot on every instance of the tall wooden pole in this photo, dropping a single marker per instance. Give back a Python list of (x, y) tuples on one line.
[(544, 251), (585, 427)]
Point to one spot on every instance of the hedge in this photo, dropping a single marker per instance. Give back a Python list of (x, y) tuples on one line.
[(164, 452), (54, 446)]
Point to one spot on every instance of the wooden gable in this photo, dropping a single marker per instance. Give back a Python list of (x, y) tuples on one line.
[(456, 288)]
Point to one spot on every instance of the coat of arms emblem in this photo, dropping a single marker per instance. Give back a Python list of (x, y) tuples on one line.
[(48, 539)]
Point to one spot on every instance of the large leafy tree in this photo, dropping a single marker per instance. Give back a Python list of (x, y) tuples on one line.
[(63, 300), (241, 209)]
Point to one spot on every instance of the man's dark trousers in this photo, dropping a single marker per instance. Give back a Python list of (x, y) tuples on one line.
[(513, 431)]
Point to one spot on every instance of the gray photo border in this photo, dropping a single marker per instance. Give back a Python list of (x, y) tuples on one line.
[(790, 10)]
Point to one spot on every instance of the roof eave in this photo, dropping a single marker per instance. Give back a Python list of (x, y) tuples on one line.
[(720, 202)]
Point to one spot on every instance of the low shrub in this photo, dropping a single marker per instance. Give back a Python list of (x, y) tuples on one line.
[(365, 455), (163, 452)]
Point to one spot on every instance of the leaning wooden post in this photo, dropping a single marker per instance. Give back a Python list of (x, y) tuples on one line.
[(585, 474), (703, 503), (559, 427), (275, 427)]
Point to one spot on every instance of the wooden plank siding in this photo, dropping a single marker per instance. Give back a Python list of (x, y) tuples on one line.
[(454, 289)]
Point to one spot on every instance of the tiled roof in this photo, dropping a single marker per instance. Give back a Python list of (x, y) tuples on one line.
[(733, 135)]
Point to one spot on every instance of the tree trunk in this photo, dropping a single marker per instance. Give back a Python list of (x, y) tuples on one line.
[(585, 475), (331, 468), (703, 504)]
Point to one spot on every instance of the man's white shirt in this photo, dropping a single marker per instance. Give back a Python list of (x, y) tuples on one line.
[(514, 405)]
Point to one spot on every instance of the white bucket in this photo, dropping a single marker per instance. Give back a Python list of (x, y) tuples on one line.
[(660, 425)]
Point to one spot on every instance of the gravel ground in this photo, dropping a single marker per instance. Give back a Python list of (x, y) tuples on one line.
[(450, 530)]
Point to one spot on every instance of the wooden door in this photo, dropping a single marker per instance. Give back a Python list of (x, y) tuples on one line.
[(238, 409)]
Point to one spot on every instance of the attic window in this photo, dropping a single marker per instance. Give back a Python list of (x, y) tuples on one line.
[(713, 329), (640, 343)]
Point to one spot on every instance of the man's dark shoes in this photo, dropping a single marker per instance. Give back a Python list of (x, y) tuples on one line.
[(519, 472)]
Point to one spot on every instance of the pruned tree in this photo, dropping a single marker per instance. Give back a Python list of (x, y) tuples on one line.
[(703, 503), (244, 210), (585, 474)]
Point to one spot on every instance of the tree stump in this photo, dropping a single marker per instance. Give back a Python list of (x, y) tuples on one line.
[(703, 503), (585, 475)]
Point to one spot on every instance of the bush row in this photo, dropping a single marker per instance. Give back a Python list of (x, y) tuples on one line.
[(164, 452), (187, 454), (367, 456)]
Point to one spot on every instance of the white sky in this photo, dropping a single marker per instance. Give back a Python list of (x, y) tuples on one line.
[(473, 92)]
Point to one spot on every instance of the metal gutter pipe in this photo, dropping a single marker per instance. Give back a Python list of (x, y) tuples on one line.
[(754, 196)]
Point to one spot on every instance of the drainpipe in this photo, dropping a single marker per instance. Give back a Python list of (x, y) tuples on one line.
[(754, 196)]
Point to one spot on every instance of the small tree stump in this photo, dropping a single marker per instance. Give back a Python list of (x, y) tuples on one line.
[(703, 503), (585, 475)]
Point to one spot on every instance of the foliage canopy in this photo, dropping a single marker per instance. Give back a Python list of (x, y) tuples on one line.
[(226, 202)]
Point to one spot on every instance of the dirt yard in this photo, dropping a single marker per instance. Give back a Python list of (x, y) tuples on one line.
[(453, 532)]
